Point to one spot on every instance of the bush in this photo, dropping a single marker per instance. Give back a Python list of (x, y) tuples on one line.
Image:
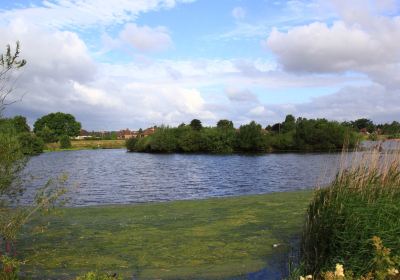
[(65, 142), (250, 138), (30, 143), (131, 144), (362, 202), (143, 144)]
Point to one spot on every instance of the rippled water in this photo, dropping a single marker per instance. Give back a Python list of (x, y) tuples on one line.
[(115, 176)]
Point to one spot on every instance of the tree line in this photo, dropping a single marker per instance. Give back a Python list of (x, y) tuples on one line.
[(54, 127), (292, 134)]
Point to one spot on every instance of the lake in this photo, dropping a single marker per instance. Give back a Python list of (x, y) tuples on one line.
[(97, 177)]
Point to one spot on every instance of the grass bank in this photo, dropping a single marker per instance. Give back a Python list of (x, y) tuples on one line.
[(342, 220), (88, 144), (206, 239)]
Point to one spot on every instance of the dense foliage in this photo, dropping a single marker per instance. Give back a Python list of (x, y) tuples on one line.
[(363, 201), (52, 126), (291, 135), (30, 143), (12, 160)]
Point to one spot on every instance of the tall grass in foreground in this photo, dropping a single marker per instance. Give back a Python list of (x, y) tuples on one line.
[(362, 202)]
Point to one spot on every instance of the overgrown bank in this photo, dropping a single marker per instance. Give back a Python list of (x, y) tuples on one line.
[(344, 220)]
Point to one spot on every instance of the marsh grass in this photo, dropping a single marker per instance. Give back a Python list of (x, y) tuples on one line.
[(363, 201)]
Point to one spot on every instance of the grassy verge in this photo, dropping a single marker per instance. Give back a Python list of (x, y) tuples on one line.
[(342, 220), (214, 238), (88, 144)]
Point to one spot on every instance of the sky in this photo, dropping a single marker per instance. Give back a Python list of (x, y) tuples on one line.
[(138, 63)]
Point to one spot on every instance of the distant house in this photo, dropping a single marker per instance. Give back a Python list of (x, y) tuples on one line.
[(148, 131), (83, 134), (127, 134)]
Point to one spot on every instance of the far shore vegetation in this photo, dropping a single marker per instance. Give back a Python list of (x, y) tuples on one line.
[(301, 134), (61, 131)]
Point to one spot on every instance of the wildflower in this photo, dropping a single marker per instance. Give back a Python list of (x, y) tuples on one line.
[(339, 272), (392, 271), (308, 277)]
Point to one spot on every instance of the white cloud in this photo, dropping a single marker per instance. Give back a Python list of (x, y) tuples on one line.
[(239, 13), (86, 13), (364, 41), (93, 96), (61, 55), (351, 103), (245, 30), (240, 95), (145, 38), (319, 48)]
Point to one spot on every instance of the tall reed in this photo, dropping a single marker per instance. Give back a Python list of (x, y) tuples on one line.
[(363, 201)]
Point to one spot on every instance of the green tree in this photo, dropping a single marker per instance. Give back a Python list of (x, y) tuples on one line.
[(58, 124), (289, 124), (20, 124), (163, 140), (30, 143), (364, 123), (321, 134), (189, 140), (48, 135), (225, 124), (217, 140), (250, 138), (390, 129), (195, 124)]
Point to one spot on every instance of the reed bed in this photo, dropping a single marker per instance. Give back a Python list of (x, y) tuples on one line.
[(362, 202)]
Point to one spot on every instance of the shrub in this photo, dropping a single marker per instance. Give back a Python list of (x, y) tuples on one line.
[(363, 201), (143, 144), (163, 140), (131, 144), (30, 143), (65, 142)]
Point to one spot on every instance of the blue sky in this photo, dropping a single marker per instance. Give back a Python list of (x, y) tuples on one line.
[(122, 63)]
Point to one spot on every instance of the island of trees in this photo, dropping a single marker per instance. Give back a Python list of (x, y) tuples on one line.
[(292, 134)]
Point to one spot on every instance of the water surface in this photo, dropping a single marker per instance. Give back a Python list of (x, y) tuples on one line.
[(114, 176)]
